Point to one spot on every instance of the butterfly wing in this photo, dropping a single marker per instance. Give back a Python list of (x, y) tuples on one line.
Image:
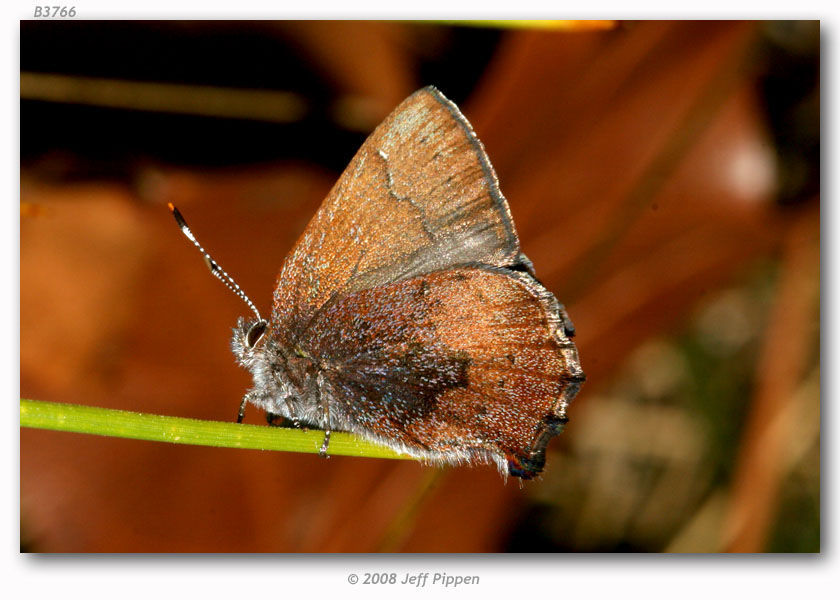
[(419, 196), (461, 364), (410, 296)]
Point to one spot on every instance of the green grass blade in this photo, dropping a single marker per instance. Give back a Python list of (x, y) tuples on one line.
[(176, 430)]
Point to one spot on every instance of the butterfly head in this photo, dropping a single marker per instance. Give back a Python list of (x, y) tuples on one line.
[(259, 353)]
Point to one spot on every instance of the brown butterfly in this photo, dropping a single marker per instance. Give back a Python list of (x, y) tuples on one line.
[(406, 312)]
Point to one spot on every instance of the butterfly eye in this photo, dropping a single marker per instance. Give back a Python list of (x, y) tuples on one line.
[(256, 333)]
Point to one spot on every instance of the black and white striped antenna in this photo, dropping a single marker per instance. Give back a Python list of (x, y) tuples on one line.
[(214, 267)]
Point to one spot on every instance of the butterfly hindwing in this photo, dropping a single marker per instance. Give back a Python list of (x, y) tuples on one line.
[(462, 363)]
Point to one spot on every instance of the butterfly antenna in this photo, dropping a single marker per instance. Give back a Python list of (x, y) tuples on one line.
[(214, 267)]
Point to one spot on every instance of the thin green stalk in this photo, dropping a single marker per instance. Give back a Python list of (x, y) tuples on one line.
[(177, 430)]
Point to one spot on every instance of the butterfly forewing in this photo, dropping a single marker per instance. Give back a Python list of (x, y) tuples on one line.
[(419, 196)]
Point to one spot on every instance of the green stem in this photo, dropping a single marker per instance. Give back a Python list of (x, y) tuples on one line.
[(177, 430)]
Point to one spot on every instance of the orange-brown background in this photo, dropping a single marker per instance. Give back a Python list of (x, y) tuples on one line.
[(656, 185)]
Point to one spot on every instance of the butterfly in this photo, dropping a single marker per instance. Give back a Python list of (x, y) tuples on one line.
[(407, 314)]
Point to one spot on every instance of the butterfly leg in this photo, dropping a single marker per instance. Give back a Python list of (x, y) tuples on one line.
[(323, 451), (251, 397), (325, 407), (290, 407), (241, 414)]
